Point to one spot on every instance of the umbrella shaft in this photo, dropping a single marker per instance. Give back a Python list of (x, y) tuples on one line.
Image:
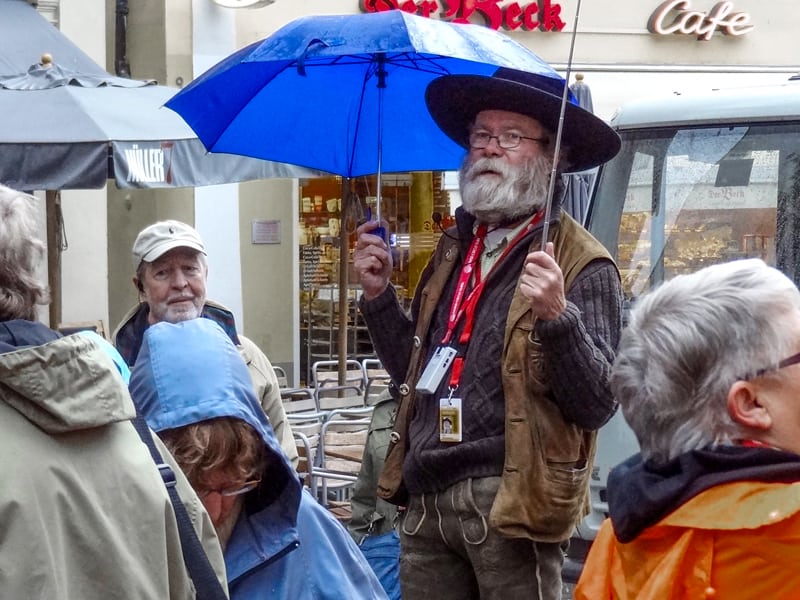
[(381, 86), (557, 149)]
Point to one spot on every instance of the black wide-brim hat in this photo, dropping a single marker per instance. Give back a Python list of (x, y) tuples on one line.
[(455, 100)]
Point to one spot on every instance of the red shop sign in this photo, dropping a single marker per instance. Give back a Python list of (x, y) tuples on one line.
[(543, 15)]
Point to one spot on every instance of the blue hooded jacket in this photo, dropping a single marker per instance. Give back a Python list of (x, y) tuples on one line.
[(285, 544)]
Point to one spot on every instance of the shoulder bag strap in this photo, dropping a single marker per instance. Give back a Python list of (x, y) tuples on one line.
[(200, 570)]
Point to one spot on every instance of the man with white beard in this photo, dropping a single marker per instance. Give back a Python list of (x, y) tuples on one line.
[(508, 344)]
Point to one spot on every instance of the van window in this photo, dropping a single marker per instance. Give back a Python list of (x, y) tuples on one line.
[(678, 199)]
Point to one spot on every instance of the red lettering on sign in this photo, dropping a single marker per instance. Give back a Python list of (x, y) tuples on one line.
[(512, 16), (428, 7), (529, 17), (371, 6), (688, 21), (543, 15), (461, 11)]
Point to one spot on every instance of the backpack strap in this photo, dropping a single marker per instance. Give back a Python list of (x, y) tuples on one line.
[(200, 570)]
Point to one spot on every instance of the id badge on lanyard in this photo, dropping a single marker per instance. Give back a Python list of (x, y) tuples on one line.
[(450, 419)]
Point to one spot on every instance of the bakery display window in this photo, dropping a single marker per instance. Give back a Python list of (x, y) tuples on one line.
[(330, 209)]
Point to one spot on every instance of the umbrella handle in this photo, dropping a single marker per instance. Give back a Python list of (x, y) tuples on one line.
[(380, 230)]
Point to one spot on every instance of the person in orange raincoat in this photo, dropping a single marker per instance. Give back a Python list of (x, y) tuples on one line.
[(710, 508)]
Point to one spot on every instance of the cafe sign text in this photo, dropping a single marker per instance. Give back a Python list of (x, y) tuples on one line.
[(677, 16)]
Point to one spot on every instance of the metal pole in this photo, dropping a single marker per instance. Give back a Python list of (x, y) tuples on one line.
[(381, 72), (557, 150), (53, 211), (122, 67), (344, 268)]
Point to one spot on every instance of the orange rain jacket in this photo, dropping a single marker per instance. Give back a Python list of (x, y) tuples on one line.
[(735, 541)]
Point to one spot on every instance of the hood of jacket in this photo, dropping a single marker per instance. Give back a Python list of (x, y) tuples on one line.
[(61, 384), (190, 372), (641, 494)]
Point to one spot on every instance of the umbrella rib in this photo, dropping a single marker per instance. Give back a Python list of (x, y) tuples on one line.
[(406, 60), (367, 76), (432, 63)]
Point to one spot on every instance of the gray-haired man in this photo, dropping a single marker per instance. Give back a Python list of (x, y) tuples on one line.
[(171, 275)]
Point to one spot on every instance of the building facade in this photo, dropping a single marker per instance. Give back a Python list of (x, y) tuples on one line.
[(624, 49)]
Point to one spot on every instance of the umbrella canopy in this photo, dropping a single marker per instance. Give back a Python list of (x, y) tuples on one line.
[(345, 94), (67, 124)]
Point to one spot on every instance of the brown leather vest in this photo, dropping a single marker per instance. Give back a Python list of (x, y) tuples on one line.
[(544, 487)]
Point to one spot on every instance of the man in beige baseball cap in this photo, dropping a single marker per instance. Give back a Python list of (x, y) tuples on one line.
[(169, 259)]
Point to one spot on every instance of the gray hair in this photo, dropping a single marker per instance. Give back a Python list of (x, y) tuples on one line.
[(21, 252), (688, 342)]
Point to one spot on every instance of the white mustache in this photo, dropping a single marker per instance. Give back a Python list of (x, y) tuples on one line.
[(484, 165)]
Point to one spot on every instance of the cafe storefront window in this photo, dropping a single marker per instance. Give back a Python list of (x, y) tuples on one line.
[(328, 217)]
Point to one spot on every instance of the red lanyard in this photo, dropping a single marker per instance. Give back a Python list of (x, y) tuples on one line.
[(472, 259), (467, 306)]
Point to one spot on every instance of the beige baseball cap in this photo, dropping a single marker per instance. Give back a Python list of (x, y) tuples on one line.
[(158, 238)]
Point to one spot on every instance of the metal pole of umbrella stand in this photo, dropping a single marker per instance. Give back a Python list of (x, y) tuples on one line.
[(344, 272), (53, 215)]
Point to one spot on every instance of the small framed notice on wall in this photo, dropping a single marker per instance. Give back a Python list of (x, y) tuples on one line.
[(266, 232)]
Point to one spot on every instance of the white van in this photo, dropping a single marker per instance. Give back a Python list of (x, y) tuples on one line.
[(701, 178)]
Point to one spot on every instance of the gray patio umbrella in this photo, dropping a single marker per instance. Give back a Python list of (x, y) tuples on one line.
[(73, 130), (69, 124)]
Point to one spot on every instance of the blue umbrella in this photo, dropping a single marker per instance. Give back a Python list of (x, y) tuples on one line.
[(345, 94)]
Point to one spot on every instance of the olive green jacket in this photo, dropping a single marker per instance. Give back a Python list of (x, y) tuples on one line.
[(372, 515), (84, 512)]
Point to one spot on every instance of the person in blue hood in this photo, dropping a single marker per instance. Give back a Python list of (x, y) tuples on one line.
[(194, 390)]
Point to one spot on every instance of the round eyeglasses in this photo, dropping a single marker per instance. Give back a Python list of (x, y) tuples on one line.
[(508, 140), (236, 490)]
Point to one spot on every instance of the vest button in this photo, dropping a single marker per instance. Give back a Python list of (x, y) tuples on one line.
[(404, 389), (417, 341), (394, 437)]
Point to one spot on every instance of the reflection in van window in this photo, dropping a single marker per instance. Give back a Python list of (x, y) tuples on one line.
[(699, 196)]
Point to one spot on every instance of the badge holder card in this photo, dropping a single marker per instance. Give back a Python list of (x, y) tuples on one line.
[(450, 419)]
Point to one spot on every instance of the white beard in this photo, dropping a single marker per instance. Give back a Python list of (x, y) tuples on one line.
[(518, 192)]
